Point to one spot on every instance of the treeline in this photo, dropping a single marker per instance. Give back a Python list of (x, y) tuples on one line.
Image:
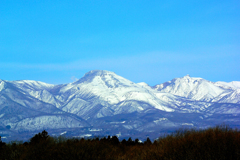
[(218, 143)]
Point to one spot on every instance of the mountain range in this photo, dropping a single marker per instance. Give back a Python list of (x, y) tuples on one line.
[(103, 103)]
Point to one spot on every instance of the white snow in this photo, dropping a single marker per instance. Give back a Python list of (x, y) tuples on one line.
[(117, 122), (63, 133), (188, 124), (192, 88), (1, 115), (44, 122), (229, 85), (84, 135), (103, 93), (119, 134), (160, 119), (2, 84), (95, 130)]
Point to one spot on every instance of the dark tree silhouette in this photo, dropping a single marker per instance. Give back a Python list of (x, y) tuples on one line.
[(114, 140), (136, 141), (2, 143), (148, 141), (124, 142), (39, 137), (130, 141)]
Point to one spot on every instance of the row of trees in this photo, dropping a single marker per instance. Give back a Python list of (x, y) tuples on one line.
[(214, 143)]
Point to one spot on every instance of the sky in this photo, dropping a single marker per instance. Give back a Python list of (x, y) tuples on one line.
[(150, 41)]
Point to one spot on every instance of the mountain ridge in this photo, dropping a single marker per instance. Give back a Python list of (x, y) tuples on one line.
[(101, 97)]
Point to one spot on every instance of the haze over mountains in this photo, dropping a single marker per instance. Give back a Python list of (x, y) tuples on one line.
[(103, 103)]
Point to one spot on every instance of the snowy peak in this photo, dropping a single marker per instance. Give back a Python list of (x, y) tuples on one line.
[(191, 87), (2, 85), (187, 76), (229, 97), (201, 90), (94, 73), (111, 90), (189, 79), (235, 84), (186, 80), (30, 84), (145, 85), (97, 73), (103, 78), (231, 85), (102, 99)]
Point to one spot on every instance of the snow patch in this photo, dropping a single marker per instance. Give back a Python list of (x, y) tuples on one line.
[(117, 122), (63, 133), (95, 130), (1, 115), (188, 124), (160, 119)]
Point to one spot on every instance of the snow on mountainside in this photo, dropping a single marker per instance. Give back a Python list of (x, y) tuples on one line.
[(19, 105), (32, 84), (111, 104), (110, 92), (230, 97), (200, 89), (192, 88), (2, 85), (48, 121), (231, 85), (38, 90)]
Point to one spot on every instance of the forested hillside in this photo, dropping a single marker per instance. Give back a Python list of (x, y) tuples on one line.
[(218, 143)]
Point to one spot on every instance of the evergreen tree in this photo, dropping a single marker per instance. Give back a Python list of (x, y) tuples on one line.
[(114, 140), (39, 137), (148, 141), (1, 143)]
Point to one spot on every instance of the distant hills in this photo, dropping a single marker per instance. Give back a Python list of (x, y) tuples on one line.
[(103, 103)]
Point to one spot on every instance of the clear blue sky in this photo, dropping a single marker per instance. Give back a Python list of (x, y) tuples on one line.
[(151, 41)]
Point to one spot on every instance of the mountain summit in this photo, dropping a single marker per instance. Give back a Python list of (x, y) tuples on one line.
[(100, 77), (98, 73), (192, 88), (102, 102)]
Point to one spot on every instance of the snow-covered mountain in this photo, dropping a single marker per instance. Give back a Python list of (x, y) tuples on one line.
[(102, 102), (201, 90), (231, 85)]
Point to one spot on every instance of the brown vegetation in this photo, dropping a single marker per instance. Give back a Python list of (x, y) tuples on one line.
[(221, 143)]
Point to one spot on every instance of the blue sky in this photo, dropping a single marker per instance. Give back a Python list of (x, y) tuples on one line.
[(152, 41)]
